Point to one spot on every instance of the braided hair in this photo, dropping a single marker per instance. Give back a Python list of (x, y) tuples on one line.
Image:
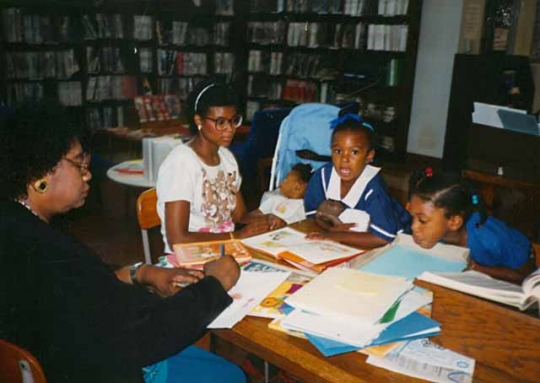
[(447, 191)]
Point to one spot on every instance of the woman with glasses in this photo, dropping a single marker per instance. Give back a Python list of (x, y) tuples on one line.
[(83, 321), (198, 185)]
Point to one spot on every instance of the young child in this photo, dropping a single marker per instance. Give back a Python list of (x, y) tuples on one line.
[(444, 209), (351, 180), (287, 202)]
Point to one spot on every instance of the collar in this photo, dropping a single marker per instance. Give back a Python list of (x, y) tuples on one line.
[(351, 199)]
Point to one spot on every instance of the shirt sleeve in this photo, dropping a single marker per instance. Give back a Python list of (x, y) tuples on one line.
[(314, 194), (386, 215), (177, 177), (496, 244)]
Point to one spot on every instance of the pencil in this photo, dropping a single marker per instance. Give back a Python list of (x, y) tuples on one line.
[(221, 250)]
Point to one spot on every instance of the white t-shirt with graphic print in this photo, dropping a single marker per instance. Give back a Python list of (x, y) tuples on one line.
[(211, 190)]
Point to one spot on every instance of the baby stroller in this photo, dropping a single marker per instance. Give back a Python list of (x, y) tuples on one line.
[(304, 136)]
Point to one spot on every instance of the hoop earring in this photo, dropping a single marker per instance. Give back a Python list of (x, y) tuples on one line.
[(41, 186)]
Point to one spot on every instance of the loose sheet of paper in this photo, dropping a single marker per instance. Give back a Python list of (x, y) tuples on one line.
[(251, 288)]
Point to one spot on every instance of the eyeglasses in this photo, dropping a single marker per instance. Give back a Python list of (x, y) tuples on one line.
[(221, 123), (83, 166)]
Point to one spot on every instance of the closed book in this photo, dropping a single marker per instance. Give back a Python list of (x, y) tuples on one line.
[(195, 255)]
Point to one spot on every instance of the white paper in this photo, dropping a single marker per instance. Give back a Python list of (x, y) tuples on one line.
[(342, 292), (358, 217), (251, 288), (425, 360), (349, 331)]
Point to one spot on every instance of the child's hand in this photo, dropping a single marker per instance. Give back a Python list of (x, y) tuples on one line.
[(315, 236), (274, 222), (342, 227)]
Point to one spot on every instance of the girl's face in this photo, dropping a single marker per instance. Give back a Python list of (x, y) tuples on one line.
[(217, 124), (430, 224), (351, 153)]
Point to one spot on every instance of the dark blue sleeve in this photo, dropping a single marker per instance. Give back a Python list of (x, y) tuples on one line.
[(387, 216), (314, 194), (496, 244)]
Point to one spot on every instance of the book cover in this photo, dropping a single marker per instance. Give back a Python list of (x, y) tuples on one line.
[(195, 255)]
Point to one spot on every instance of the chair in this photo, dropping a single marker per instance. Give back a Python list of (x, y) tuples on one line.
[(148, 218), (17, 365), (253, 153)]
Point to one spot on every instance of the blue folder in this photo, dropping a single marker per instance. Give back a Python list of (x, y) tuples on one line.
[(401, 261), (519, 122), (396, 332)]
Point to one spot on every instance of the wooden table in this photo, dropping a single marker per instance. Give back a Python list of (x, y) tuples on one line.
[(504, 342)]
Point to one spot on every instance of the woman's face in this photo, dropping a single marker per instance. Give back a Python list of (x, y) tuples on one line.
[(68, 182), (351, 153), (210, 128), (430, 224)]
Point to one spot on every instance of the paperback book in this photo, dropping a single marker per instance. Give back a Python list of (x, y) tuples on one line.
[(195, 255)]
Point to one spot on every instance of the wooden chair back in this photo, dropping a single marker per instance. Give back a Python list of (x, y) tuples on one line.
[(536, 248), (148, 218), (17, 365)]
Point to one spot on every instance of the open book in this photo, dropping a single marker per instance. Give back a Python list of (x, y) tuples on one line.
[(481, 285), (292, 246)]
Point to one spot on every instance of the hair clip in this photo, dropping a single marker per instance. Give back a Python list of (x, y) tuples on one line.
[(428, 172), (348, 116), (200, 94), (474, 199)]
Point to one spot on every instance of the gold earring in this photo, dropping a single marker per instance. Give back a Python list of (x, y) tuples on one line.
[(41, 186)]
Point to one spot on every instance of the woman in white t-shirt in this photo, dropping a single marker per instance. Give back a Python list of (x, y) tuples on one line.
[(198, 185)]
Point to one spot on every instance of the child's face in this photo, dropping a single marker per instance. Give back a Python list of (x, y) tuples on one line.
[(430, 224), (293, 186), (351, 153)]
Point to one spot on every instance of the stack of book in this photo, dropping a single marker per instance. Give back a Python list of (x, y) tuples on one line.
[(291, 246), (344, 310)]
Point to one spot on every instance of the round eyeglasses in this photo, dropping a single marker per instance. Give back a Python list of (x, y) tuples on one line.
[(83, 166), (221, 123)]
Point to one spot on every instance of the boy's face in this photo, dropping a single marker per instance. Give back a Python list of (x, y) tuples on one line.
[(430, 224), (293, 186), (351, 153)]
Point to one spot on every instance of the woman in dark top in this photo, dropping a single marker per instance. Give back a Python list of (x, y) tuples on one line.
[(82, 320)]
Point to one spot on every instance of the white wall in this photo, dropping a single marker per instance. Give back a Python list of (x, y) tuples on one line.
[(439, 40)]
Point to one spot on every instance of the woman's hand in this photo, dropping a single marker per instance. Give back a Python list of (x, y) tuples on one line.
[(165, 281)]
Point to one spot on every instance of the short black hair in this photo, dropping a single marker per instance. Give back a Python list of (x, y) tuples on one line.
[(33, 139), (305, 171), (448, 191), (354, 125), (208, 94)]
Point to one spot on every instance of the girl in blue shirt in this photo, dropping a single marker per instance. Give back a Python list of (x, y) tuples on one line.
[(351, 180), (444, 209)]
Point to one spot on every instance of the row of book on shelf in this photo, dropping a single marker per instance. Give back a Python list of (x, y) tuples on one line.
[(105, 117), (181, 63), (346, 7), (358, 35), (304, 65), (100, 88), (339, 298), (39, 65)]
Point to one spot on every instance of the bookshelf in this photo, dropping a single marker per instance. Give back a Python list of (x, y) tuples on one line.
[(336, 51), (275, 52), (96, 56)]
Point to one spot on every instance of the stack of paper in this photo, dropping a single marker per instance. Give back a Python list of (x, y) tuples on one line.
[(345, 305), (290, 245)]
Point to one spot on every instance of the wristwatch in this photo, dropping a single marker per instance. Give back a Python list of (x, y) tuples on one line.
[(133, 273)]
